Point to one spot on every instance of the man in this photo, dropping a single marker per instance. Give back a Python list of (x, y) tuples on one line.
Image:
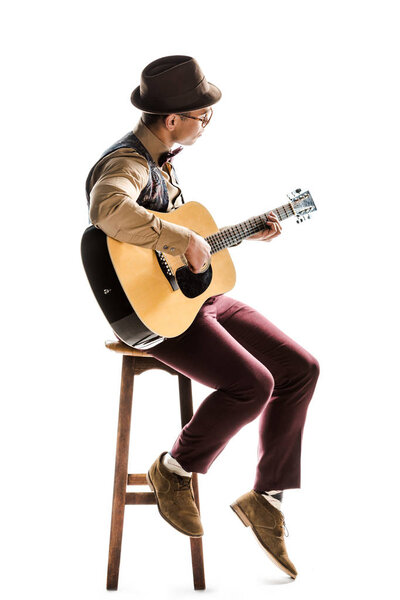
[(254, 368)]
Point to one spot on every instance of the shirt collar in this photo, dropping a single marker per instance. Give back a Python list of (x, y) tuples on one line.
[(150, 141)]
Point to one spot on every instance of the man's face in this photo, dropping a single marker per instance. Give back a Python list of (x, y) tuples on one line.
[(186, 130)]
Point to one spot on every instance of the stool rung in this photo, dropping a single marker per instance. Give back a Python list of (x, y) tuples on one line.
[(140, 498), (137, 479)]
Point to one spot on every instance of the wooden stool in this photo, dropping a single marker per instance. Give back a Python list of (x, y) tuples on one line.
[(135, 362)]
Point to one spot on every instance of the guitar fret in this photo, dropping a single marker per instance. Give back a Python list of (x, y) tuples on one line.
[(234, 234)]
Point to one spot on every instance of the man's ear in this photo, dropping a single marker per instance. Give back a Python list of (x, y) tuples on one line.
[(170, 122)]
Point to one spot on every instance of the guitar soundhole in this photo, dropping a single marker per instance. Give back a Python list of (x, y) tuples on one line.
[(193, 284)]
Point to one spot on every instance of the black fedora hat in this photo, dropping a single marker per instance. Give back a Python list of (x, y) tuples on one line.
[(174, 84)]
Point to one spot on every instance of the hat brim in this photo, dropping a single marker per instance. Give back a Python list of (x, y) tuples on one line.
[(204, 100)]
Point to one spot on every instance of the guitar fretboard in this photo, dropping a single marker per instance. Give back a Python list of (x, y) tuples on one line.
[(232, 235)]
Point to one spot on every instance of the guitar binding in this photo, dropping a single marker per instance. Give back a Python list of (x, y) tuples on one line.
[(110, 295)]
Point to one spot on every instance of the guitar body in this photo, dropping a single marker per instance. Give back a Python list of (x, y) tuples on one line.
[(148, 296)]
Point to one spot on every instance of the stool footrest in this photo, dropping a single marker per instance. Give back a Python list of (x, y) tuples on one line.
[(140, 498), (137, 479)]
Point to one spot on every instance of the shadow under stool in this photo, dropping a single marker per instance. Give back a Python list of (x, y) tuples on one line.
[(135, 362)]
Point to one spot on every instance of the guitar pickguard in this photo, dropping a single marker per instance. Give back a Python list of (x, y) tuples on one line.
[(193, 284)]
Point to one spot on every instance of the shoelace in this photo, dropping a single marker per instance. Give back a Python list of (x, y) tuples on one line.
[(284, 525), (184, 482)]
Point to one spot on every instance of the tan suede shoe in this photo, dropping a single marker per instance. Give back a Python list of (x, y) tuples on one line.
[(267, 524), (175, 499)]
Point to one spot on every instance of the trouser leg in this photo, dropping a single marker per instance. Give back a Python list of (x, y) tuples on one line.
[(256, 369), (207, 353), (282, 419)]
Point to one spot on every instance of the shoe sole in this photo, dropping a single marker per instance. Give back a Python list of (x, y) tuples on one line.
[(242, 516), (151, 486)]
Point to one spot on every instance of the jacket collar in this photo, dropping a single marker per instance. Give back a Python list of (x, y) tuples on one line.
[(150, 141)]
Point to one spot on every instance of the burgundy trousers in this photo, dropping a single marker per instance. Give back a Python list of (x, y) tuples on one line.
[(255, 370)]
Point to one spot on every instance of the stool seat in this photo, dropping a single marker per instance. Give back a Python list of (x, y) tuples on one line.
[(118, 346)]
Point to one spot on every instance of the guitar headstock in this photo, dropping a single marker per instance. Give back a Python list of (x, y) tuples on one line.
[(302, 204)]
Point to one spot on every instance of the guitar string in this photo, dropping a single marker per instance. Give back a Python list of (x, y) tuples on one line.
[(236, 233)]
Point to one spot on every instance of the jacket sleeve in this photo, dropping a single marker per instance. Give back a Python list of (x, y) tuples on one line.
[(114, 210)]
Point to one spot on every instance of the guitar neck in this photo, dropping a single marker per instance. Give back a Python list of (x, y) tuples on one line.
[(232, 235)]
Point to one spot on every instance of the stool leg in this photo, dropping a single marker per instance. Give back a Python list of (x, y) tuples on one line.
[(121, 471), (196, 544)]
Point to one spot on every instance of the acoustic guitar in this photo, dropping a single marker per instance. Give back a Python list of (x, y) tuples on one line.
[(148, 296)]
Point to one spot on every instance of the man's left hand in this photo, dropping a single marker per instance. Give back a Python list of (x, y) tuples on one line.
[(274, 229)]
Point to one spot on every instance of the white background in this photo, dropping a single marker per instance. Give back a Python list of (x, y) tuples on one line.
[(310, 99)]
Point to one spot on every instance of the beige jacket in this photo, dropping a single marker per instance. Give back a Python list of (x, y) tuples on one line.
[(115, 185)]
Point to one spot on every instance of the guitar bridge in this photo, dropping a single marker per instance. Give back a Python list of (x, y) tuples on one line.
[(165, 268)]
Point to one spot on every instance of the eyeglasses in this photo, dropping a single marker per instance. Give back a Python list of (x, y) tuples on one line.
[(204, 120)]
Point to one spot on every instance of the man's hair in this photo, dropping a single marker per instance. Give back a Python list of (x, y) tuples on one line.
[(150, 119)]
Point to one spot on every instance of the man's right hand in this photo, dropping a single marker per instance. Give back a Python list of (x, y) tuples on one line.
[(198, 252)]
